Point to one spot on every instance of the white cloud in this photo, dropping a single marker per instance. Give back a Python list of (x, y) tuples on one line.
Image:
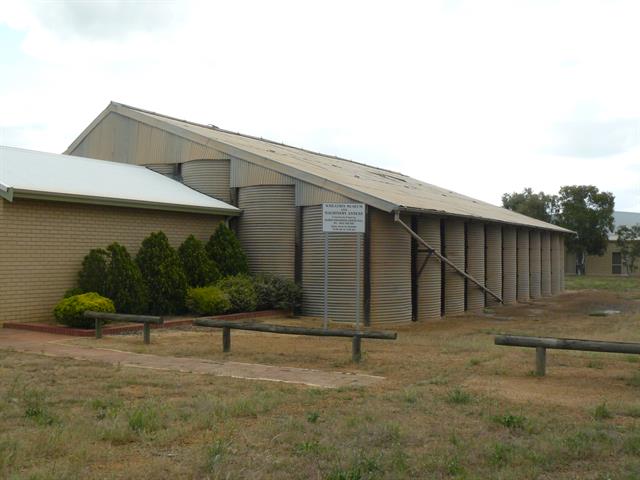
[(467, 95)]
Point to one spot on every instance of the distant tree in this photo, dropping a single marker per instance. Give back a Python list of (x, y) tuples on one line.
[(535, 205), (163, 275), (197, 265), (225, 250), (629, 243), (588, 212)]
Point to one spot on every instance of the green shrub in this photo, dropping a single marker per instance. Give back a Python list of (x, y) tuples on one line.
[(208, 301), (276, 292), (162, 274), (198, 267), (124, 283), (241, 293), (73, 291), (92, 276), (225, 251), (69, 310)]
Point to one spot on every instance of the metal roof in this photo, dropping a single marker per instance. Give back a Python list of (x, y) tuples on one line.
[(383, 189), (50, 176), (628, 219)]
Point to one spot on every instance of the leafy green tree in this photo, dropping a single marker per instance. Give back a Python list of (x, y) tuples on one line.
[(198, 267), (163, 275), (629, 243), (124, 283), (225, 250), (588, 212), (535, 205), (92, 276)]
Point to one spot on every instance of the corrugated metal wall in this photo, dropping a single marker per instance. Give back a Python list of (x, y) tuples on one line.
[(523, 264), (121, 139), (562, 261), (245, 174), (493, 261), (545, 264), (342, 270), (308, 194), (453, 281), (555, 264), (475, 265), (429, 281), (266, 228), (210, 177), (167, 169), (534, 264), (390, 270), (509, 265)]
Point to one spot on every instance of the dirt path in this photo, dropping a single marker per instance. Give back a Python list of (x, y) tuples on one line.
[(55, 346)]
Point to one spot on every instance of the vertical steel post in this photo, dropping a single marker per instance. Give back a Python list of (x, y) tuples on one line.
[(325, 322)]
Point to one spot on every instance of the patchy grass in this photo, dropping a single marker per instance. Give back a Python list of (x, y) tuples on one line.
[(612, 284), (453, 405)]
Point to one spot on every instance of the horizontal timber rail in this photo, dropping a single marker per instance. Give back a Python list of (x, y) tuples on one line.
[(444, 259), (355, 335), (542, 343), (146, 320)]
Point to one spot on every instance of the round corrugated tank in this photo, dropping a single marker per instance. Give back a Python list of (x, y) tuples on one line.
[(210, 177), (545, 264), (509, 265), (341, 304), (562, 260), (167, 169), (523, 265), (493, 262), (266, 228), (534, 264), (390, 269), (475, 265), (555, 263), (453, 281), (429, 281)]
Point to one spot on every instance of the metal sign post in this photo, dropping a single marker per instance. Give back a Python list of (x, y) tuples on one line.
[(342, 218)]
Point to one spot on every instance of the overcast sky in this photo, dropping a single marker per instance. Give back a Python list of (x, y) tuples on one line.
[(483, 97)]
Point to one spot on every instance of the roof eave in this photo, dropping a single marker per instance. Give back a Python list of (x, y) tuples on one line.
[(6, 192), (127, 203), (441, 213)]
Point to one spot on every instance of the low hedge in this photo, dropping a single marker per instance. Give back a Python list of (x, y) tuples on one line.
[(208, 301), (241, 291), (278, 293), (69, 310)]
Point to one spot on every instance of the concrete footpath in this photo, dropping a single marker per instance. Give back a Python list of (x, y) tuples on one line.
[(57, 346)]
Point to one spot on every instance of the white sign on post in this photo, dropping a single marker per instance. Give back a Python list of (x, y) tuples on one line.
[(343, 217)]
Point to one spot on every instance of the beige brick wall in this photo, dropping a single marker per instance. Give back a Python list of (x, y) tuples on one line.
[(596, 265), (42, 245)]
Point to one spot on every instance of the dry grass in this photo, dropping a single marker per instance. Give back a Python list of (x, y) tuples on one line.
[(453, 405)]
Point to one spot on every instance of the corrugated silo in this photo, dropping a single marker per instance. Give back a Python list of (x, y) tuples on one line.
[(475, 265), (534, 264), (453, 281), (493, 254), (523, 264), (545, 264), (210, 177), (555, 263), (429, 280), (509, 265)]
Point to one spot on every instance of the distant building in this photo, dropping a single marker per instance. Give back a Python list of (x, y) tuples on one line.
[(611, 262)]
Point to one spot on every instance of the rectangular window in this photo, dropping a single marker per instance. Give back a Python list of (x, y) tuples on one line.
[(616, 263)]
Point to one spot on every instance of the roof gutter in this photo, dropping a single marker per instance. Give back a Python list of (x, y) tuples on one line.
[(117, 202), (6, 192)]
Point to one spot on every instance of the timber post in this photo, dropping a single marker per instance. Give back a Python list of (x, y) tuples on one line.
[(226, 339), (356, 348), (541, 361)]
